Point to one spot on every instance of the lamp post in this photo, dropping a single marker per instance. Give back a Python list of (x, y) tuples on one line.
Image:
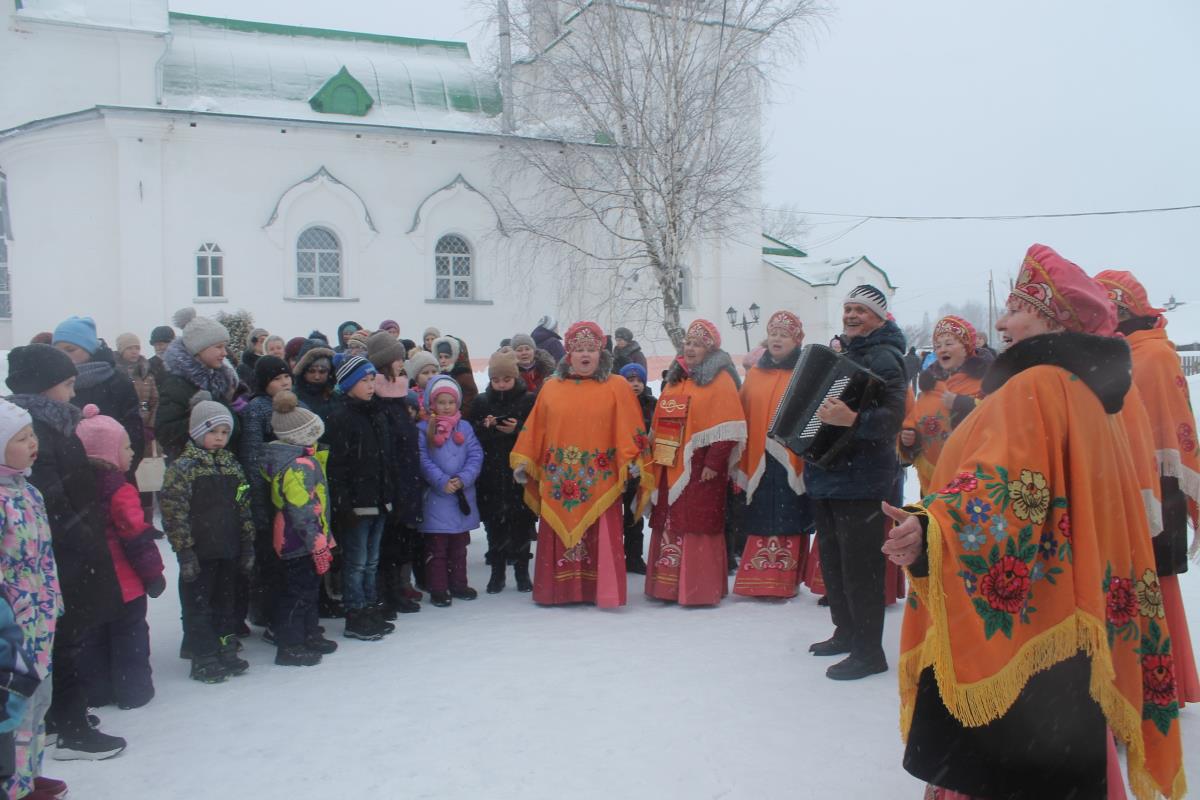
[(745, 324)]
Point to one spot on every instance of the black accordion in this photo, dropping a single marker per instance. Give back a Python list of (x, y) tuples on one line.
[(821, 374)]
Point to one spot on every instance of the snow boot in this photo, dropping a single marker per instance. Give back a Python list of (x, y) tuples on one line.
[(319, 644), (495, 584), (635, 565), (855, 667), (208, 669), (408, 606), (228, 656), (440, 599), (360, 625), (833, 646), (90, 746), (521, 574), (297, 655), (376, 614), (50, 787), (465, 593), (384, 610)]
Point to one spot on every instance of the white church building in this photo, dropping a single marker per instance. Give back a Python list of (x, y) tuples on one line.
[(151, 160)]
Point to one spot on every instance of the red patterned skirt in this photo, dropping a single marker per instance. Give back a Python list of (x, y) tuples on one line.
[(592, 571), (691, 569), (771, 566), (812, 570), (1186, 681)]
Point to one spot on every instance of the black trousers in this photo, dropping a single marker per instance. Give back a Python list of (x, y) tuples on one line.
[(116, 659), (208, 606), (635, 527), (850, 534), (267, 581), (68, 709), (508, 540), (295, 616)]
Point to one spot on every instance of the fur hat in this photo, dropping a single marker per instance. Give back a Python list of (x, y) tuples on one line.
[(957, 328), (503, 364), (635, 369), (623, 333), (419, 361), (102, 436), (441, 384), (548, 322), (706, 333), (430, 331), (293, 423), (522, 339), (163, 333), (79, 331), (127, 340), (1063, 293), (349, 369), (34, 368), (384, 349), (12, 419), (199, 333), (267, 369), (206, 415), (583, 334), (788, 324), (867, 295)]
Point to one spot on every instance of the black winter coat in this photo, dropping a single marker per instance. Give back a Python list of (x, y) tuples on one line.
[(501, 499), (185, 377), (361, 455), (317, 398), (63, 474), (408, 487), (867, 468), (628, 355), (112, 391)]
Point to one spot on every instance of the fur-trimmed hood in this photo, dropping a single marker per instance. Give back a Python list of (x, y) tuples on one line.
[(543, 363), (706, 372), (601, 374), (311, 355), (765, 361), (220, 382), (974, 367), (1103, 364)]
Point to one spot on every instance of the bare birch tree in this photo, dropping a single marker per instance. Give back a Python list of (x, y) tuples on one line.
[(642, 128)]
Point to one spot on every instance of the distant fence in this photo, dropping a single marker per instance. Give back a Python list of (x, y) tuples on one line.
[(1191, 362)]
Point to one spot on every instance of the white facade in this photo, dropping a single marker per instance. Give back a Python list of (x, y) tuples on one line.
[(137, 147)]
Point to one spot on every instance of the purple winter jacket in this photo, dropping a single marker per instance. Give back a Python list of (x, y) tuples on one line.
[(438, 466)]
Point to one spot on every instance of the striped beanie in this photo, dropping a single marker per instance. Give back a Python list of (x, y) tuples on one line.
[(206, 415), (349, 369), (867, 295)]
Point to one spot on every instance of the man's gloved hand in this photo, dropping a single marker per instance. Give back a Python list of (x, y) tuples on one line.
[(189, 565)]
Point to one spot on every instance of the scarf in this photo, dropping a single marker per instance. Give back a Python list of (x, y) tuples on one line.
[(63, 417), (391, 389), (445, 426)]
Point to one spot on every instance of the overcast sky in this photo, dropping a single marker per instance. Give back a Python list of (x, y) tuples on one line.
[(944, 107)]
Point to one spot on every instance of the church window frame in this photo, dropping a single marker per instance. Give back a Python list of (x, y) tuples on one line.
[(210, 272), (454, 269), (320, 268)]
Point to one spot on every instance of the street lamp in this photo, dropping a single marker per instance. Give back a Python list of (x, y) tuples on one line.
[(745, 324)]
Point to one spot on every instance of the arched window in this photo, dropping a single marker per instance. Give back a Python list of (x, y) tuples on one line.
[(452, 268), (318, 263), (210, 271)]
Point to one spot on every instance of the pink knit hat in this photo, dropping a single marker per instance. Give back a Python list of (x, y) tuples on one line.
[(102, 436)]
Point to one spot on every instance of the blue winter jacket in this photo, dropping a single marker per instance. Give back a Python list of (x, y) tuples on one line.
[(867, 469), (441, 513)]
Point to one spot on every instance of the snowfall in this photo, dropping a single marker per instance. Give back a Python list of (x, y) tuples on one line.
[(500, 698)]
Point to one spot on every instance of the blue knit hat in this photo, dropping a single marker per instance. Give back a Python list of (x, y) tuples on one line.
[(634, 369), (79, 331), (350, 369)]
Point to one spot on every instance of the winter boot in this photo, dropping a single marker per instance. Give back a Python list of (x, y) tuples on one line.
[(384, 610), (208, 669), (228, 656), (376, 614), (50, 787), (440, 599), (408, 606), (297, 655), (495, 584), (521, 574), (635, 565), (90, 746), (360, 625), (465, 593), (319, 644)]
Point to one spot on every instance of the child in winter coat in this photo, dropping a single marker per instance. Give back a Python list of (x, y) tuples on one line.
[(455, 361), (497, 416), (451, 459), (420, 368), (294, 469), (29, 582), (117, 653), (206, 513), (635, 374), (360, 483)]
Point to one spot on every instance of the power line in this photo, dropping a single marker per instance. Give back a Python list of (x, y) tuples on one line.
[(991, 217)]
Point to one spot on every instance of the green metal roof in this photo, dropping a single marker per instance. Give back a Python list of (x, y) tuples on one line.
[(250, 26)]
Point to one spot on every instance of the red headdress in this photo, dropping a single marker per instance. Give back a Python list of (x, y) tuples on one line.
[(786, 323), (960, 329), (1127, 292), (583, 334), (706, 333), (1063, 293)]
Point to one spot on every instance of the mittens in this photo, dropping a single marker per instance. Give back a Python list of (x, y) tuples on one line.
[(156, 586), (322, 558), (189, 565)]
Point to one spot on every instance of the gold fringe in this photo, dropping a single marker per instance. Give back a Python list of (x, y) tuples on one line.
[(571, 536), (984, 701)]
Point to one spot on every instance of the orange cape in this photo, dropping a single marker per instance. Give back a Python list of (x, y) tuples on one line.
[(761, 394), (1159, 376), (714, 415), (1141, 446), (1038, 549), (931, 420), (577, 447)]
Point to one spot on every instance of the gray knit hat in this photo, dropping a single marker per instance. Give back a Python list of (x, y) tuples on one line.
[(293, 423), (206, 415), (520, 339), (199, 332), (418, 362), (384, 349), (623, 333)]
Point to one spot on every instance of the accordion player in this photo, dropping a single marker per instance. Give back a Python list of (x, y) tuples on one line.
[(821, 374)]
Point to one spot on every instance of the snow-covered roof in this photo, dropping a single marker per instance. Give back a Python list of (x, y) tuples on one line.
[(263, 69), (821, 271)]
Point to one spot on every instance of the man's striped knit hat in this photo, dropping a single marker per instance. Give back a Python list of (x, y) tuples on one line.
[(867, 295)]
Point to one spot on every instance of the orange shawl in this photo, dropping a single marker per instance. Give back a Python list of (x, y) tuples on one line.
[(931, 420), (761, 394), (1141, 446), (577, 446), (714, 415), (1038, 549), (1159, 376)]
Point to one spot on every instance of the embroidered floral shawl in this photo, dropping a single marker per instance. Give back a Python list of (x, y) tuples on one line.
[(931, 420), (760, 396), (1037, 549), (577, 447)]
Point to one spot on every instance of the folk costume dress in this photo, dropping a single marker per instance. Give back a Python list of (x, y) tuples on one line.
[(1032, 624), (699, 412), (776, 518), (1159, 377), (576, 449)]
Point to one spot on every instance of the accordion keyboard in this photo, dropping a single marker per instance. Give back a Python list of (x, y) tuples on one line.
[(835, 391)]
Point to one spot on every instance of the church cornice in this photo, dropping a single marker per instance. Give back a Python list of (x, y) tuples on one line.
[(458, 184)]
